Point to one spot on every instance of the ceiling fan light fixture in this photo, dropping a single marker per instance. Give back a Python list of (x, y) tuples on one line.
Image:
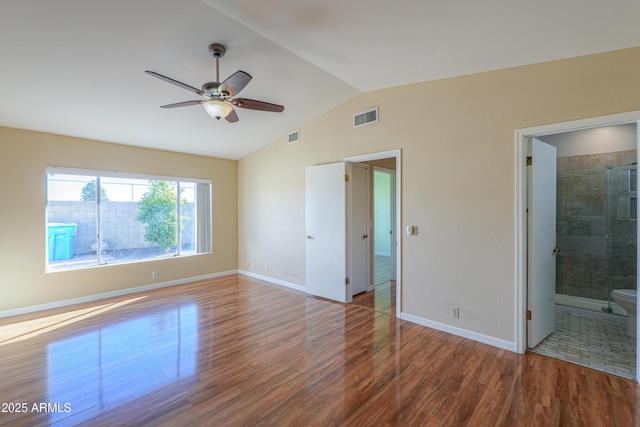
[(217, 108), (219, 98)]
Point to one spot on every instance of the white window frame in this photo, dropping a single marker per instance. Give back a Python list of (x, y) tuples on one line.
[(204, 217)]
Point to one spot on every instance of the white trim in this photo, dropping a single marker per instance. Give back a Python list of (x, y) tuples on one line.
[(126, 175), (374, 156), (96, 297), (272, 280), (464, 333), (399, 236), (521, 135), (592, 122), (485, 339)]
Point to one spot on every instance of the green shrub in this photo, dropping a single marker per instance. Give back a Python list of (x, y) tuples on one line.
[(157, 209)]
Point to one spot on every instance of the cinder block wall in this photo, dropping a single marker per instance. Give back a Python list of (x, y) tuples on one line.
[(120, 228)]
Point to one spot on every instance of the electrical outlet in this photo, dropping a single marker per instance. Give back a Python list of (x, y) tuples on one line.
[(248, 266), (266, 268), (154, 274), (455, 312)]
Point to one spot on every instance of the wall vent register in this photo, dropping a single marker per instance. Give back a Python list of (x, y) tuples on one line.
[(365, 118), (294, 137)]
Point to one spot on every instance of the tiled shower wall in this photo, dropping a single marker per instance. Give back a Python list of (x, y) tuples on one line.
[(582, 264)]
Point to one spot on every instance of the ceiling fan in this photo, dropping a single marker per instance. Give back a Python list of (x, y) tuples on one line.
[(219, 97)]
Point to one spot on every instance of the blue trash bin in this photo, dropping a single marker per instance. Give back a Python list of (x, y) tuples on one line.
[(60, 238)]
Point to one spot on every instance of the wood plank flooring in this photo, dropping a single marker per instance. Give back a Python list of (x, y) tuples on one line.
[(382, 299), (236, 351)]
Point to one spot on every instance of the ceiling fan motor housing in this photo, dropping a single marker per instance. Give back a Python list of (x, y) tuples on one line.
[(217, 50), (212, 89), (218, 96)]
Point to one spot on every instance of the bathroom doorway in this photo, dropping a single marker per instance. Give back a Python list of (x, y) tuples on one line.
[(595, 247), (596, 215)]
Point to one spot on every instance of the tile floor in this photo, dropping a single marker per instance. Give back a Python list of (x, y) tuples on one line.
[(594, 340)]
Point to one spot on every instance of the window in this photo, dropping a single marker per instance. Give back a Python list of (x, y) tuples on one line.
[(95, 217)]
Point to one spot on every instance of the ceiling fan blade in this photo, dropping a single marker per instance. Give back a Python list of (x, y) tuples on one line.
[(252, 104), (182, 104), (175, 82), (232, 117), (234, 83)]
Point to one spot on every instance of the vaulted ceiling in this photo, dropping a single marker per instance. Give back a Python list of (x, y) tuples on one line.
[(76, 67)]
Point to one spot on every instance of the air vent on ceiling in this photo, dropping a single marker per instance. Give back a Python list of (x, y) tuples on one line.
[(294, 137), (365, 118)]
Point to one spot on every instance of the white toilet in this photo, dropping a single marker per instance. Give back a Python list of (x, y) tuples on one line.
[(627, 298)]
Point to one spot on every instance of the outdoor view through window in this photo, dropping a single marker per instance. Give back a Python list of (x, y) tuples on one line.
[(94, 218)]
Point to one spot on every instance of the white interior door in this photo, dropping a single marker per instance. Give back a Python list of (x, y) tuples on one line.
[(358, 225), (542, 242), (326, 229)]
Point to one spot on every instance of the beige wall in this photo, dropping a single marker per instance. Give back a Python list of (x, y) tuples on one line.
[(23, 157), (458, 178)]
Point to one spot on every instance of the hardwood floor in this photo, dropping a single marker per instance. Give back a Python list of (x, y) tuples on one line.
[(382, 299), (382, 268), (237, 351)]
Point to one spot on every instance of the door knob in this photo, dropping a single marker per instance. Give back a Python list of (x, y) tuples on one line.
[(309, 238), (556, 250), (364, 236)]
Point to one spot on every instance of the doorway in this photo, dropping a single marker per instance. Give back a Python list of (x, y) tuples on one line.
[(330, 196), (384, 242), (381, 295), (581, 228), (385, 296)]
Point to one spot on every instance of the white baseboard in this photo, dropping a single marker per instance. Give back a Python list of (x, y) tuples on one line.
[(404, 316), (588, 304), (495, 342), (273, 280), (454, 330), (120, 292)]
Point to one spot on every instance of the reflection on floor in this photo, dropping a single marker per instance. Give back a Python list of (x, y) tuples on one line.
[(382, 299), (593, 340), (383, 269)]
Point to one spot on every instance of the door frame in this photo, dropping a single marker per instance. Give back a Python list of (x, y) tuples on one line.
[(392, 218), (398, 217), (521, 136)]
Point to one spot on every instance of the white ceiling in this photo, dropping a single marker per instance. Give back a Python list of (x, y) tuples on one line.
[(76, 67)]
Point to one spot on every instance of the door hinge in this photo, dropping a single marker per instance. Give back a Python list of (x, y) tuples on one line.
[(346, 178), (529, 160), (528, 314), (346, 281)]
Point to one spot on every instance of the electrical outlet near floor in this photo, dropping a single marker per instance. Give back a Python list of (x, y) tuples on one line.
[(455, 312), (154, 274)]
